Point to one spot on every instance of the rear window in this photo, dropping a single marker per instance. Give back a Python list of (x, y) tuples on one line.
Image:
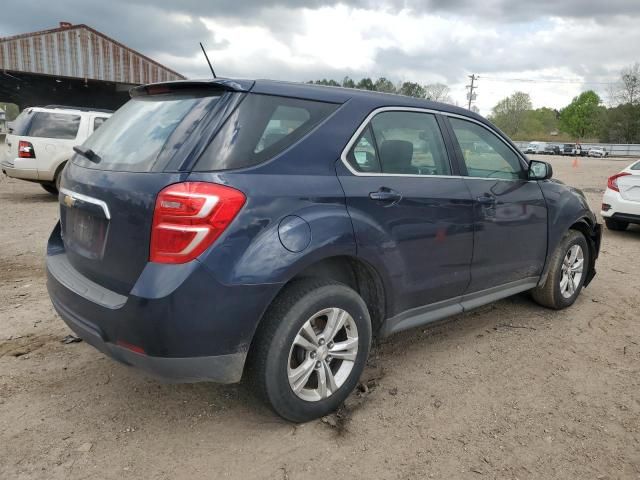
[(21, 123), (135, 134), (62, 126), (260, 128), (635, 166)]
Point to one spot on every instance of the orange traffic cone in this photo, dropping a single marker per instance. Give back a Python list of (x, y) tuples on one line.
[(574, 164)]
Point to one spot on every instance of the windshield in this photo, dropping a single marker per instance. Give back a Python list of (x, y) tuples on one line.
[(133, 138)]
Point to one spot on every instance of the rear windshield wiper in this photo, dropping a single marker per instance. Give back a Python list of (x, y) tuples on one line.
[(87, 153)]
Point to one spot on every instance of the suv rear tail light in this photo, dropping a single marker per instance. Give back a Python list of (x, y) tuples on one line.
[(189, 217), (25, 150), (612, 183)]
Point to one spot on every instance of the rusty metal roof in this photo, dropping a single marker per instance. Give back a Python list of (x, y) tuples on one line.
[(79, 51)]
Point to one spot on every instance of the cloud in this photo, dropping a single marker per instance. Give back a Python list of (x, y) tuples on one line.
[(513, 45)]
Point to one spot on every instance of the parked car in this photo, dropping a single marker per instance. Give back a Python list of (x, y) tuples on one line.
[(574, 149), (552, 149), (197, 246), (536, 147), (621, 201), (599, 152), (40, 142)]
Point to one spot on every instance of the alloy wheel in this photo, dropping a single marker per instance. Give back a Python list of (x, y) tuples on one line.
[(323, 354), (572, 268)]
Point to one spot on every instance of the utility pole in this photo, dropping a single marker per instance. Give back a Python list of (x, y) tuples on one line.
[(471, 88)]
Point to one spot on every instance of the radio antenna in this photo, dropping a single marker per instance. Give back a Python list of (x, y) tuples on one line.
[(207, 57)]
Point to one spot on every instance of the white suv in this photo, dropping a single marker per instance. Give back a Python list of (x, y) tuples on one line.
[(41, 140)]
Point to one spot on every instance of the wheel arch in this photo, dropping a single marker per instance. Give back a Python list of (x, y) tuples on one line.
[(349, 270), (591, 231)]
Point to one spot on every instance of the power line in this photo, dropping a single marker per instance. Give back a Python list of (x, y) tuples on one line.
[(532, 80)]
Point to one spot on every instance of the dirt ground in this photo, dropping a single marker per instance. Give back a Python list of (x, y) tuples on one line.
[(509, 391)]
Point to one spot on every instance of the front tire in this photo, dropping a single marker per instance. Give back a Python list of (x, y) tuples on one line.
[(616, 225), (567, 272), (310, 349)]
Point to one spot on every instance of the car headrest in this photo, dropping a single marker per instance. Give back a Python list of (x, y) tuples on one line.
[(396, 155)]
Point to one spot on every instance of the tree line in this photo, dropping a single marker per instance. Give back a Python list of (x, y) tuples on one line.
[(585, 118), (438, 92)]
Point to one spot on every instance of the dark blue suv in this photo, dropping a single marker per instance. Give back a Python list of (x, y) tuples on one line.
[(219, 229)]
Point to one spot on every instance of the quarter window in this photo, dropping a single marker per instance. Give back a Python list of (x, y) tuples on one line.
[(485, 155), (405, 143), (54, 125), (260, 128), (363, 156)]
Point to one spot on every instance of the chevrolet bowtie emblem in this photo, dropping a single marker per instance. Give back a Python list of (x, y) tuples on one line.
[(69, 201)]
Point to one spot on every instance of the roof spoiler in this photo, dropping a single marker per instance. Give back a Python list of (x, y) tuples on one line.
[(81, 109), (224, 84)]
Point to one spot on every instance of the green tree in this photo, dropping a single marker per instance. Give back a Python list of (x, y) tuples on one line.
[(384, 85), (11, 110), (365, 84), (411, 89), (582, 117), (620, 124), (509, 113), (347, 82), (324, 81), (538, 124)]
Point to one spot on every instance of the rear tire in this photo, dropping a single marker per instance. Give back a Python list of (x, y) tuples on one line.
[(563, 285), (49, 188), (616, 225), (298, 372)]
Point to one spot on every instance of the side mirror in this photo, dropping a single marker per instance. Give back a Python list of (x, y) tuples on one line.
[(540, 170)]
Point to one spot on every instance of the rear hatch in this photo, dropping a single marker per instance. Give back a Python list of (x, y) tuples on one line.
[(108, 191)]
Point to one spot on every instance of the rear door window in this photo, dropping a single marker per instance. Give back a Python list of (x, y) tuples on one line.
[(260, 128), (401, 143), (62, 126)]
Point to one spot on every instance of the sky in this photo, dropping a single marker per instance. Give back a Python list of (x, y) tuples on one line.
[(550, 49)]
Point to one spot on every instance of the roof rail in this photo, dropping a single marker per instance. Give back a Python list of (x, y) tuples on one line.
[(82, 109)]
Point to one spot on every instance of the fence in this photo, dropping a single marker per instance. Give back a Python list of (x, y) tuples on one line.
[(613, 149)]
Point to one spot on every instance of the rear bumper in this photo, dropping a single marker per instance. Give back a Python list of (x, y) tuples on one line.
[(10, 169), (626, 217), (218, 368), (177, 324), (619, 206)]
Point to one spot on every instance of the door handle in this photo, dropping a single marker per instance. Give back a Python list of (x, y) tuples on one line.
[(486, 200), (386, 195)]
